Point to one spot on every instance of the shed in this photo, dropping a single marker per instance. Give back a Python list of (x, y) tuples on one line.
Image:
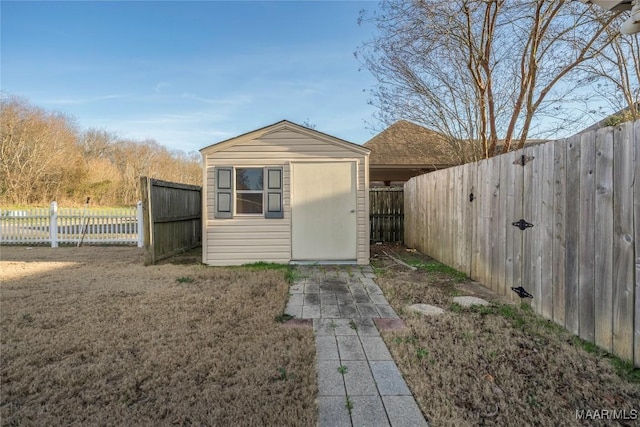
[(285, 193)]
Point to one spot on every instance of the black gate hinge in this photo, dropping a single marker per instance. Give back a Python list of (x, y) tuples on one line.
[(523, 160), (522, 293), (522, 224)]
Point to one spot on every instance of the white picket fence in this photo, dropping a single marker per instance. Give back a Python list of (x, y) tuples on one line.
[(54, 226)]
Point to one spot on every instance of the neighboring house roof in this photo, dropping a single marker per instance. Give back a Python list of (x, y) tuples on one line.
[(407, 144), (280, 126)]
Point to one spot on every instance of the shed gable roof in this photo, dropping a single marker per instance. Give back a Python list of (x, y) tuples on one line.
[(406, 143), (280, 126)]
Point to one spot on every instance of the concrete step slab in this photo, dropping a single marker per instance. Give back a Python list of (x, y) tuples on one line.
[(327, 348), (330, 381), (389, 379), (375, 348), (366, 327), (333, 412), (310, 312), (294, 310), (348, 311), (386, 311), (329, 311), (350, 348), (328, 298), (403, 411), (368, 411), (358, 379), (367, 310)]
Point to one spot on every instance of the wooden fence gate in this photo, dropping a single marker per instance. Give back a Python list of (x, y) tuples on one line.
[(560, 220), (386, 214), (172, 218)]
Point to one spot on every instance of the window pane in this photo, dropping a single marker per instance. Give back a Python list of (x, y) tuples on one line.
[(249, 203), (249, 179)]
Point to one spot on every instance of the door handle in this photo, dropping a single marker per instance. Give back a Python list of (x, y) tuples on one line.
[(353, 210)]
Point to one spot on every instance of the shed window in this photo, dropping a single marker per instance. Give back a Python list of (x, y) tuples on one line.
[(256, 191), (249, 190)]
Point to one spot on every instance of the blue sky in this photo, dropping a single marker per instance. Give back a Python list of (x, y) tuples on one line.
[(189, 74)]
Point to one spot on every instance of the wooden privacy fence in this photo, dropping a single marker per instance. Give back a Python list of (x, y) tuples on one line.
[(386, 214), (58, 225), (578, 253), (172, 218)]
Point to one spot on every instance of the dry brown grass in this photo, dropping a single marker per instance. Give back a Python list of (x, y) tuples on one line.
[(501, 365), (91, 336)]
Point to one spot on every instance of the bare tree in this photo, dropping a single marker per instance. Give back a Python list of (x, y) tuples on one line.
[(480, 71), (615, 74), (39, 156)]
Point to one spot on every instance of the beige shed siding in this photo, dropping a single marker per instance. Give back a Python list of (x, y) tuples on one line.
[(244, 240)]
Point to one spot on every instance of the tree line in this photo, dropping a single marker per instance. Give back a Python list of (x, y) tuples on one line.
[(45, 157)]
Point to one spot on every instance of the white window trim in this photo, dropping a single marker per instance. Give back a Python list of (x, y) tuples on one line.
[(236, 192)]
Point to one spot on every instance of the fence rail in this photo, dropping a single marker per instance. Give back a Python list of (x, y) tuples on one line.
[(386, 214), (580, 259), (55, 226)]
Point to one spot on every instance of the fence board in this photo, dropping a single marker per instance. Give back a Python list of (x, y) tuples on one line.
[(586, 241), (518, 237), (448, 225), (458, 213), (603, 239), (572, 236), (508, 182), (480, 255), (636, 204), (559, 218), (530, 213), (497, 226), (623, 258), (546, 227), (470, 215), (500, 212)]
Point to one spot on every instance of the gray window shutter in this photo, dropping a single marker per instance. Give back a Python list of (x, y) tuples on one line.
[(273, 198), (224, 192)]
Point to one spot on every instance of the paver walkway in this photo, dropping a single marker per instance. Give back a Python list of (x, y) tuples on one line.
[(359, 384)]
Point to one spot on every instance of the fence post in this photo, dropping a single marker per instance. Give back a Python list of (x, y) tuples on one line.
[(53, 224), (140, 225)]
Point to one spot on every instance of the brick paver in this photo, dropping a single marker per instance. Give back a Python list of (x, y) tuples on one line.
[(359, 384)]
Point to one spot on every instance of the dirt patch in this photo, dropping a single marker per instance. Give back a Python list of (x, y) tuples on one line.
[(91, 336), (498, 365)]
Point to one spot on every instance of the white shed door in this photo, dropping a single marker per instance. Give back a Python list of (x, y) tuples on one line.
[(323, 211)]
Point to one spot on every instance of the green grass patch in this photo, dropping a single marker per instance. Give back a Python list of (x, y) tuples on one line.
[(455, 307), (436, 267), (290, 272), (281, 318), (349, 404), (283, 375), (261, 265), (623, 368), (185, 279)]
